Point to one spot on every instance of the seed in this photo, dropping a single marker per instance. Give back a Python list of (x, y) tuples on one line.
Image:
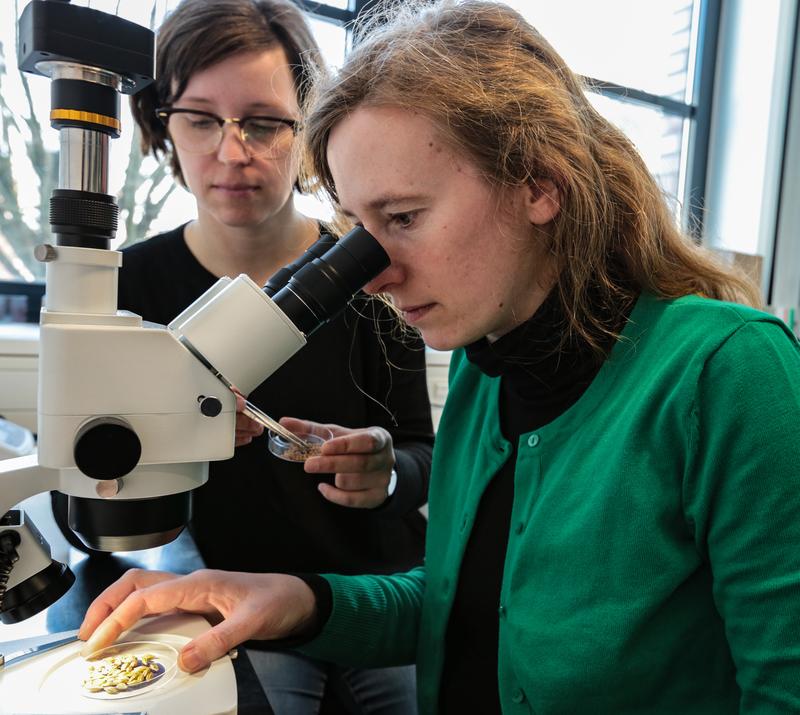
[(295, 453), (120, 672)]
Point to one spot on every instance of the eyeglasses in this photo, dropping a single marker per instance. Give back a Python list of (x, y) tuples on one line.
[(199, 132)]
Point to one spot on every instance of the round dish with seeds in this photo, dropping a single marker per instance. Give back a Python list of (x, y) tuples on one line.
[(119, 673)]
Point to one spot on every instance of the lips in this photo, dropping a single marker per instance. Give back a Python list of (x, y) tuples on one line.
[(413, 314), (234, 187)]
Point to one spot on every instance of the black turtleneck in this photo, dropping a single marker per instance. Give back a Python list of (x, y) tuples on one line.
[(540, 379)]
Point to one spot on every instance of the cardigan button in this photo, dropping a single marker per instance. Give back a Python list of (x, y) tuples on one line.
[(520, 527), (518, 696), (533, 440), (501, 610)]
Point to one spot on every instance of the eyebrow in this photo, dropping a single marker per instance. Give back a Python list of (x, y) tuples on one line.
[(381, 202), (255, 106)]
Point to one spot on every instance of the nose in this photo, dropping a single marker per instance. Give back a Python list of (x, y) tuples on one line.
[(390, 276), (232, 149), (378, 283)]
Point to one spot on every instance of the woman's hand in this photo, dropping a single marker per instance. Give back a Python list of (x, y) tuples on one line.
[(361, 459), (244, 606), (246, 429)]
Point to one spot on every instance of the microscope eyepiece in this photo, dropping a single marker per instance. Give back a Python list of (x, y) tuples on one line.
[(281, 277), (323, 286)]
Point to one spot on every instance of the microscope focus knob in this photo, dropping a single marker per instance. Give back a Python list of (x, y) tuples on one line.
[(210, 406), (107, 448)]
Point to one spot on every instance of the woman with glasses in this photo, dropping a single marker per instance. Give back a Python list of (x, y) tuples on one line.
[(224, 109)]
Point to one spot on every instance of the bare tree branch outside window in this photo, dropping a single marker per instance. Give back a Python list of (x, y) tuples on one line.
[(23, 151)]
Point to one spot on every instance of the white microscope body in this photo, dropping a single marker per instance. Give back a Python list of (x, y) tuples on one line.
[(98, 366), (130, 413)]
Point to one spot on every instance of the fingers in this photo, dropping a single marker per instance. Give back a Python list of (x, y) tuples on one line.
[(260, 606), (349, 464), (115, 594), (363, 499), (163, 596), (216, 642), (361, 451), (368, 441), (299, 426), (116, 623), (246, 429)]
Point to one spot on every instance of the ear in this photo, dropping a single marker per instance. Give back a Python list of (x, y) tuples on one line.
[(542, 201)]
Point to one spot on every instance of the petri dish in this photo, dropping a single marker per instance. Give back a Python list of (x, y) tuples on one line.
[(283, 448), (113, 673)]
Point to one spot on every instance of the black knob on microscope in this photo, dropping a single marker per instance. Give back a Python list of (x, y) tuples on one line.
[(107, 448), (210, 406)]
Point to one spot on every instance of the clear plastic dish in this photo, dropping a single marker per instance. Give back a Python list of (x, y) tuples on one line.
[(283, 448), (107, 674)]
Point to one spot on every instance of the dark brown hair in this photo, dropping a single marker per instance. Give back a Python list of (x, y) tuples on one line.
[(200, 33), (500, 95)]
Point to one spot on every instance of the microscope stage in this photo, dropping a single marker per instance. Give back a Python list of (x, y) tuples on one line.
[(50, 684)]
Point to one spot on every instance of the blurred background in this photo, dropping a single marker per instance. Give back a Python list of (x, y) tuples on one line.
[(704, 88)]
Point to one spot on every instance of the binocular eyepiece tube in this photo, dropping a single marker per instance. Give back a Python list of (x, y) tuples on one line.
[(318, 287)]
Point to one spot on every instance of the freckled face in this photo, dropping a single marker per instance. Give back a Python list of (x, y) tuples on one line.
[(231, 187), (465, 262)]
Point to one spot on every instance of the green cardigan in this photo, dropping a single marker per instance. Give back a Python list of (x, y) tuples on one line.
[(653, 562)]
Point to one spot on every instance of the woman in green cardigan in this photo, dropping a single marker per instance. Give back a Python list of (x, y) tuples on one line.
[(615, 495)]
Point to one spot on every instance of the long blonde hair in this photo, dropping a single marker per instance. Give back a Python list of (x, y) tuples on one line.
[(502, 96)]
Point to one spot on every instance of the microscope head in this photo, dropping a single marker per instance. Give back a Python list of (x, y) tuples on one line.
[(240, 335)]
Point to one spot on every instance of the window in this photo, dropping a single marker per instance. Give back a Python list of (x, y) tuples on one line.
[(642, 59), (148, 198), (651, 65)]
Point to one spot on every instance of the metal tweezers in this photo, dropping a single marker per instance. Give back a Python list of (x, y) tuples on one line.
[(264, 419)]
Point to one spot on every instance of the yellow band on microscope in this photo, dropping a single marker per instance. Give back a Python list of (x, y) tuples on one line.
[(78, 115)]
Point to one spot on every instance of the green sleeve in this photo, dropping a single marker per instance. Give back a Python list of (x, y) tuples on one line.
[(374, 621), (742, 498)]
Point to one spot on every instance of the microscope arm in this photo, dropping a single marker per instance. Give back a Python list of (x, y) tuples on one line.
[(29, 578), (22, 477)]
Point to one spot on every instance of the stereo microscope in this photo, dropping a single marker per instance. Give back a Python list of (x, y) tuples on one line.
[(130, 412)]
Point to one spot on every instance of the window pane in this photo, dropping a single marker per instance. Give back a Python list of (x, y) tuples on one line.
[(331, 38), (657, 136), (339, 4), (644, 45)]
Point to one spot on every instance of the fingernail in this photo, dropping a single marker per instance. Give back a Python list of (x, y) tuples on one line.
[(190, 659)]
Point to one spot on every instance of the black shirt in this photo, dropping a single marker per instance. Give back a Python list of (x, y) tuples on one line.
[(258, 513)]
